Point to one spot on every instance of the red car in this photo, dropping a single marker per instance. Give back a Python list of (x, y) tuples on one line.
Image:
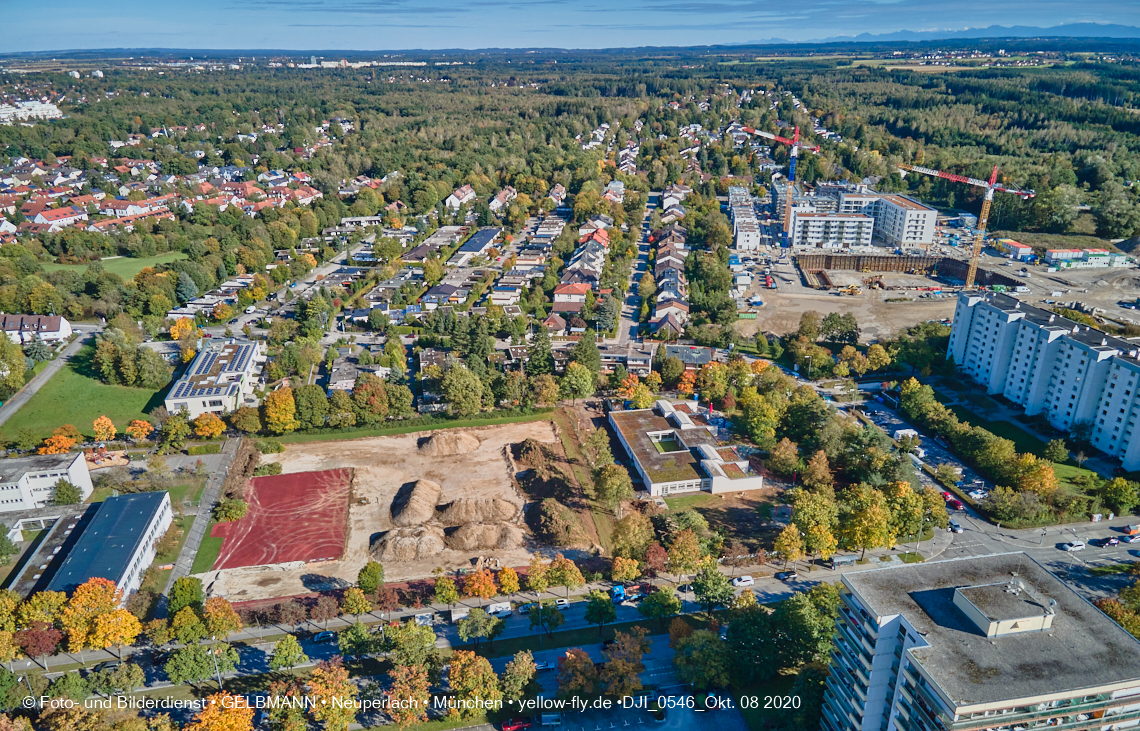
[(517, 724), (956, 504), (947, 496)]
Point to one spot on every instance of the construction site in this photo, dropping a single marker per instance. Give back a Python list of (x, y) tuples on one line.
[(417, 501)]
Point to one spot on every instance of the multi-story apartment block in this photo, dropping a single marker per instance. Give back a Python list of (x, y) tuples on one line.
[(221, 379), (1051, 365), (832, 230), (903, 222), (988, 643)]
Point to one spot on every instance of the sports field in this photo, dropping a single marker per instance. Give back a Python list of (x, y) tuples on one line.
[(301, 517)]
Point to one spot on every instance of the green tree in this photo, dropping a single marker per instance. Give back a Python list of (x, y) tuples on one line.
[(547, 617), (613, 486), (287, 654), (540, 359), (65, 493), (446, 592), (371, 577), (1119, 494), (703, 660), (1056, 451), (585, 352), (600, 609), (478, 625), (462, 390), (186, 592), (355, 641), (660, 604), (312, 406), (577, 382), (711, 587), (518, 675)]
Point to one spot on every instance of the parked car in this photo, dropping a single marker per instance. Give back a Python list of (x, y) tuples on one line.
[(562, 604), (328, 636), (517, 724), (685, 588), (787, 576), (526, 608), (543, 665), (111, 665), (1074, 546), (1130, 539), (743, 581), (979, 495)]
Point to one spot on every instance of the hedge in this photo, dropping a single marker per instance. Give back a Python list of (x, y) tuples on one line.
[(204, 449)]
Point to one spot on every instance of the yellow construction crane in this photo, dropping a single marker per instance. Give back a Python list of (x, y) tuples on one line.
[(991, 186)]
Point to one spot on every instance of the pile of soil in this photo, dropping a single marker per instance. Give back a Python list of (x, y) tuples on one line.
[(417, 506), (449, 442), (481, 536), (408, 544), (478, 510)]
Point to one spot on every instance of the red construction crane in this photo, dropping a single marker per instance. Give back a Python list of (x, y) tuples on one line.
[(991, 186), (796, 145)]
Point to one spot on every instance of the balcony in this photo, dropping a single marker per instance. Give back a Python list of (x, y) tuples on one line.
[(1094, 712)]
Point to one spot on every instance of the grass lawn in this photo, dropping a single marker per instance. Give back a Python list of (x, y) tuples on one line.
[(207, 552), (1023, 441), (1114, 568), (690, 501), (74, 396), (125, 267)]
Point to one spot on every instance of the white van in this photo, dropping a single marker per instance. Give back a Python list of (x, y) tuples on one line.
[(500, 610), (251, 309)]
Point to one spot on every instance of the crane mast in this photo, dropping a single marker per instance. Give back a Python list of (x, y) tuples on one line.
[(991, 187)]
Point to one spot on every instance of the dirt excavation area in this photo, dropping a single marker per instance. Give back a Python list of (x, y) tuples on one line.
[(877, 318), (439, 498)]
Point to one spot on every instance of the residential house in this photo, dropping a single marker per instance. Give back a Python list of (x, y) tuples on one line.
[(502, 199), (461, 196), (570, 297), (26, 328), (59, 218)]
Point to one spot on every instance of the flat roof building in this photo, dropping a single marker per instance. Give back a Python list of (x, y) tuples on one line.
[(118, 544), (990, 642), (675, 451), (832, 230), (27, 483), (221, 379)]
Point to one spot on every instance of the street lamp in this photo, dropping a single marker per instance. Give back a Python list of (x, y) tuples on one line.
[(809, 368)]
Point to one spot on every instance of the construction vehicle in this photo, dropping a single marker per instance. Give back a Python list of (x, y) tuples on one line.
[(991, 187), (875, 282), (851, 289)]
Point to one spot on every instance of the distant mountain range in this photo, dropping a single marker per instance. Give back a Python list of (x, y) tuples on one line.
[(1071, 30)]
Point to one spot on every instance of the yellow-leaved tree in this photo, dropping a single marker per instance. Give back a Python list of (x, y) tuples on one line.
[(209, 426), (223, 712), (105, 429), (115, 629), (91, 599)]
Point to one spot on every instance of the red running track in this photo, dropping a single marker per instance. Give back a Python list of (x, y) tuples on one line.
[(297, 517)]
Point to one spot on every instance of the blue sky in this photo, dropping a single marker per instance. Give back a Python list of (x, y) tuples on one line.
[(403, 24)]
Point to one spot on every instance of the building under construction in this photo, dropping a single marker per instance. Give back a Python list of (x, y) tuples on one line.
[(815, 267)]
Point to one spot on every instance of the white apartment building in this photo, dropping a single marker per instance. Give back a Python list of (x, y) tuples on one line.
[(993, 643), (1054, 366), (903, 222), (221, 379), (831, 230), (27, 483)]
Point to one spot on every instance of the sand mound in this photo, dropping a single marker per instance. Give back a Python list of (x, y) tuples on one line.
[(409, 544), (478, 510), (480, 536), (446, 443), (416, 506)]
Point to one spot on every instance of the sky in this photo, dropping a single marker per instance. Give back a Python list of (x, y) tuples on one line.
[(377, 25)]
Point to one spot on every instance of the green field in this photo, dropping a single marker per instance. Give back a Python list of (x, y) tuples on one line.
[(125, 267), (74, 396), (208, 551)]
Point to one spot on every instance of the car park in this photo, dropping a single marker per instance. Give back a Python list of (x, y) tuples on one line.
[(1074, 546), (743, 581), (787, 576)]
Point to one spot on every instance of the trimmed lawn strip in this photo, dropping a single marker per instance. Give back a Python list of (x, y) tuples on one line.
[(678, 504), (391, 431), (208, 552), (74, 396), (125, 266)]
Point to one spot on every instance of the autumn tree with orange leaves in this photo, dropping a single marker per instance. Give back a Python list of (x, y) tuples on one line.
[(139, 429), (92, 598), (209, 426), (410, 695), (221, 619), (333, 693), (688, 380), (223, 712), (480, 584), (105, 429), (57, 444), (115, 629), (628, 386)]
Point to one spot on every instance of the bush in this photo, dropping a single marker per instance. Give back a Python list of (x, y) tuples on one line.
[(273, 468), (269, 446), (229, 509), (204, 449)]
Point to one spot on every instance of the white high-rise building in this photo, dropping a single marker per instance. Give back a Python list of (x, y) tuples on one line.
[(832, 230), (1050, 365)]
